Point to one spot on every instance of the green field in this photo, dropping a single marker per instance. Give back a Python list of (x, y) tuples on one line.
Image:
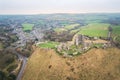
[(66, 27), (72, 26), (27, 26), (95, 30), (116, 30), (116, 33), (48, 45)]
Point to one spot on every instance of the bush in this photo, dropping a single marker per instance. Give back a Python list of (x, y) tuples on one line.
[(12, 67), (9, 60), (12, 77)]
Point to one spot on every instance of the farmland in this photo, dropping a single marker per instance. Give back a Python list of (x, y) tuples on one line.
[(66, 27), (116, 34), (116, 30), (95, 30), (92, 29), (72, 26), (27, 27)]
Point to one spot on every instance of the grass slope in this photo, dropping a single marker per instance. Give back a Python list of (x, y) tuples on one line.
[(95, 29), (27, 26), (96, 64)]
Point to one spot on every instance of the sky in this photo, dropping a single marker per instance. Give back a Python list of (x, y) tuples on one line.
[(58, 6)]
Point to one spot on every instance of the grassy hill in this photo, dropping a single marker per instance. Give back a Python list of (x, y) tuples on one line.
[(96, 64)]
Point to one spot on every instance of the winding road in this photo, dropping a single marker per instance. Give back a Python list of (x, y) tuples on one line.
[(21, 58), (24, 61)]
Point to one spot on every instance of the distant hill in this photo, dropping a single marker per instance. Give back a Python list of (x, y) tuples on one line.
[(96, 64)]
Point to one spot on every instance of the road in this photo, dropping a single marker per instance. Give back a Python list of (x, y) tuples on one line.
[(24, 61), (21, 58)]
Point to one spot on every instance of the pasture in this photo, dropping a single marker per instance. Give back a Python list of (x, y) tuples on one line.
[(95, 30), (116, 30), (66, 27), (27, 26), (116, 33), (72, 26)]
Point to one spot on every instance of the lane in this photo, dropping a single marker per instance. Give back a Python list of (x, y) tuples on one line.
[(21, 58), (20, 74), (23, 65)]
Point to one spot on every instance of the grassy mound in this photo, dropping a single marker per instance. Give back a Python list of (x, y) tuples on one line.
[(96, 64)]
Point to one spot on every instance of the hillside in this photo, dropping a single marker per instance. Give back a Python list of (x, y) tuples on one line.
[(96, 64)]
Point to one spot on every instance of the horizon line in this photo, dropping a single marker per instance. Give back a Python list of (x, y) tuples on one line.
[(60, 13)]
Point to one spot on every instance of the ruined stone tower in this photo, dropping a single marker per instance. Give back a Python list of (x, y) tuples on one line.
[(78, 39)]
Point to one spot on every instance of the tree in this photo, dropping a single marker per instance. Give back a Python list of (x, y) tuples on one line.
[(2, 75)]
